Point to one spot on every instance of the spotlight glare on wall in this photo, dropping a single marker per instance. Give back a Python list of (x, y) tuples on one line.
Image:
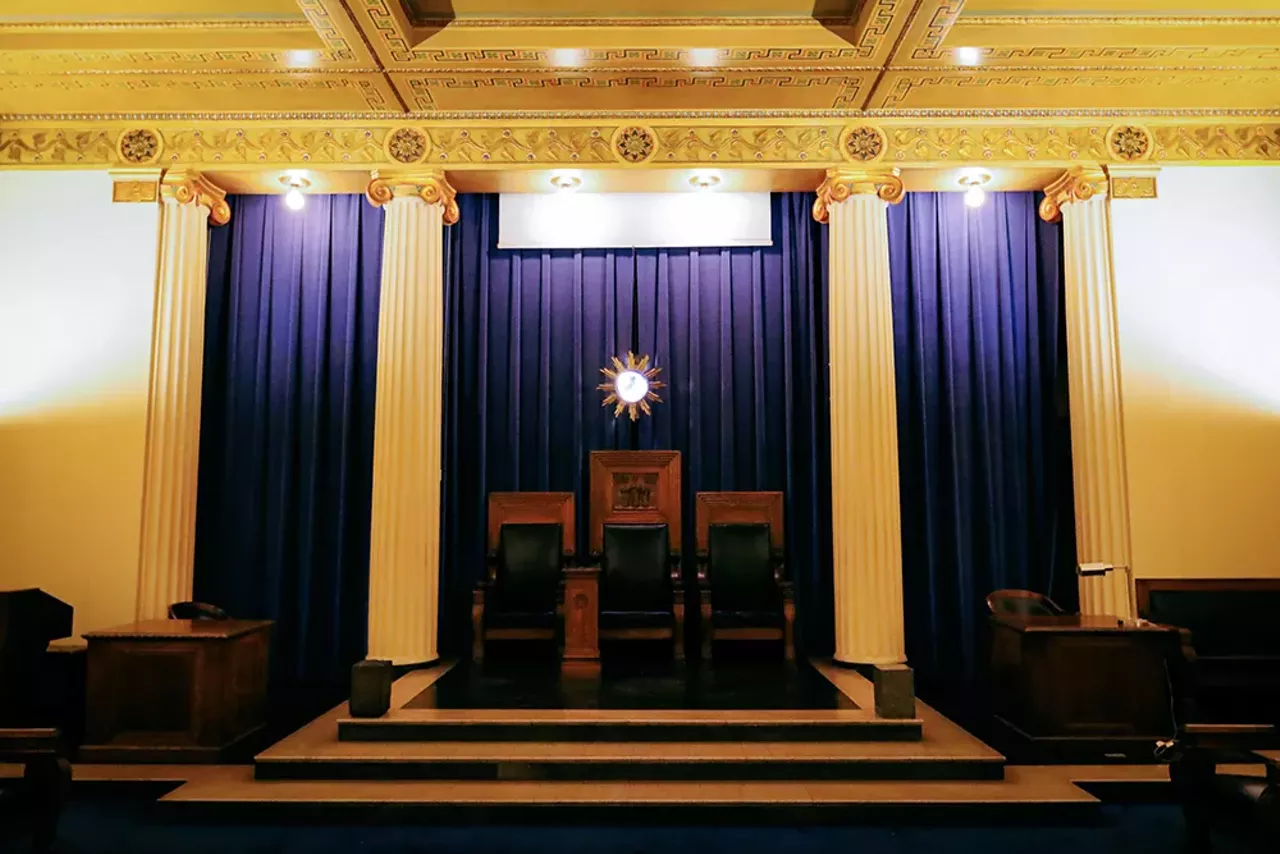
[(974, 197), (704, 57), (968, 56)]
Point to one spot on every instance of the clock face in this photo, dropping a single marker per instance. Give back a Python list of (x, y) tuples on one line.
[(631, 386)]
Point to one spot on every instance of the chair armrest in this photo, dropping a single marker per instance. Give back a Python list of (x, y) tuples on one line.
[(677, 582), (568, 558), (477, 595), (703, 558), (491, 567)]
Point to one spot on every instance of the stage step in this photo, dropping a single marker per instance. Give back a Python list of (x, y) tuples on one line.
[(545, 725), (609, 761), (1032, 794)]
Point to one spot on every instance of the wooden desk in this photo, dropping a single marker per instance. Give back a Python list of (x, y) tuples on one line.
[(582, 616), (175, 690), (1088, 682)]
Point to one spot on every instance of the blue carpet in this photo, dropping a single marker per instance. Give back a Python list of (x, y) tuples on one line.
[(116, 826)]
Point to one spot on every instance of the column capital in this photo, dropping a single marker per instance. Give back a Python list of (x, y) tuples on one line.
[(1132, 182), (431, 186), (188, 187), (1077, 184), (841, 184)]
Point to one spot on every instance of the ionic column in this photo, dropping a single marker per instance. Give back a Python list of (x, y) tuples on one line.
[(166, 559), (404, 548), (1079, 199), (865, 513)]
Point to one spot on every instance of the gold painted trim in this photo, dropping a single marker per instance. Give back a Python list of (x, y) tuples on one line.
[(134, 186), (191, 188), (151, 24), (842, 184), (431, 186), (1133, 182), (366, 143), (1119, 21), (1078, 184)]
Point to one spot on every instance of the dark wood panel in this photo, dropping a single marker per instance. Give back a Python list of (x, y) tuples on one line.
[(532, 507), (635, 487), (1146, 586), (711, 508)]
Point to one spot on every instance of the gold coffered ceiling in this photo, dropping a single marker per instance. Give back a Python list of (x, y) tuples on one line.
[(452, 59)]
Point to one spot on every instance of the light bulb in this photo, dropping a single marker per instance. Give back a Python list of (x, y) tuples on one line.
[(974, 197), (968, 56), (294, 200)]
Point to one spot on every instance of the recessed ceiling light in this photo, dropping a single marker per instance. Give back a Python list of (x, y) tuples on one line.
[(704, 57), (969, 56), (704, 180), (566, 181), (567, 57), (302, 58)]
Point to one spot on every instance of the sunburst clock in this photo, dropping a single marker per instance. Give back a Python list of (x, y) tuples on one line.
[(630, 386)]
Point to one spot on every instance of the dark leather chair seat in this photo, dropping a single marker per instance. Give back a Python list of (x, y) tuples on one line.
[(521, 620), (747, 619), (634, 619)]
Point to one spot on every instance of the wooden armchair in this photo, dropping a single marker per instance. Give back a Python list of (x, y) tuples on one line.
[(531, 537), (641, 593), (743, 589)]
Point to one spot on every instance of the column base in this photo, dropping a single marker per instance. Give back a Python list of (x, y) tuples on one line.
[(895, 691)]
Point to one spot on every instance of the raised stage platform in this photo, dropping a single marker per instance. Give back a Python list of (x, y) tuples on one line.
[(676, 744)]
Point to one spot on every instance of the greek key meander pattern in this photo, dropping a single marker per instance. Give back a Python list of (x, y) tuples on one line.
[(476, 144)]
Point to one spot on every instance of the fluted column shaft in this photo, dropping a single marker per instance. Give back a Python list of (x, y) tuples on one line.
[(865, 511), (404, 549), (167, 549), (1099, 474)]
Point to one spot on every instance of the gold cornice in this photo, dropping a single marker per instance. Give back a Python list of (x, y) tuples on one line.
[(841, 184), (432, 187), (134, 185), (1119, 21), (359, 141), (186, 187), (1078, 184)]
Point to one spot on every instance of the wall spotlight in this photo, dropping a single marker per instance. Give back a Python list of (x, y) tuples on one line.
[(705, 180), (973, 182), (968, 56), (566, 182), (294, 199)]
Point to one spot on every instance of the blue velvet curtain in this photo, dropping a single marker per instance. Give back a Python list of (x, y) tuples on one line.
[(740, 336), (984, 436), (286, 443)]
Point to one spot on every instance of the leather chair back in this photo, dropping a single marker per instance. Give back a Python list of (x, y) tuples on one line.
[(196, 611), (634, 569), (740, 568), (529, 564)]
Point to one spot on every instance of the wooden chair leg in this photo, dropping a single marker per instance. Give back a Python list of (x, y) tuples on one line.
[(477, 627), (789, 629), (706, 627), (678, 610)]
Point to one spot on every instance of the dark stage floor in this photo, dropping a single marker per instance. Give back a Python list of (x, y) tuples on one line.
[(633, 684)]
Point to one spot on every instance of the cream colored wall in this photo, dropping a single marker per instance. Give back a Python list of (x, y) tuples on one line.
[(77, 283), (1198, 294)]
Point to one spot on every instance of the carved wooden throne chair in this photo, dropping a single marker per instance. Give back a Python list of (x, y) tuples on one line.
[(635, 537), (530, 539), (743, 589)]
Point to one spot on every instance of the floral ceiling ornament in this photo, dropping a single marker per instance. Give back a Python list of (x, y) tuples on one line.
[(138, 146), (863, 143), (1130, 142), (407, 145), (634, 144), (630, 386)]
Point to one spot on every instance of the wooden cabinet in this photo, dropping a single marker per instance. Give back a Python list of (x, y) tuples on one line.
[(1090, 682), (175, 690)]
